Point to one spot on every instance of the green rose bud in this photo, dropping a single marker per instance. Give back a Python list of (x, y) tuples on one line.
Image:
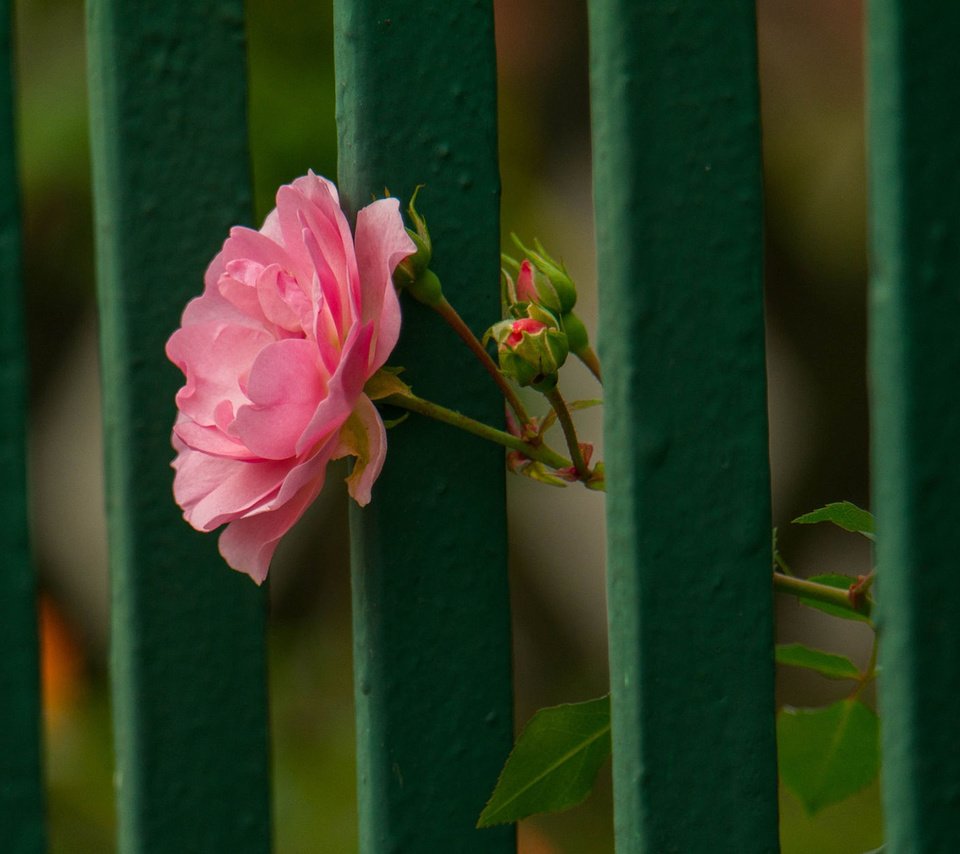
[(552, 288), (413, 273), (530, 351), (576, 332)]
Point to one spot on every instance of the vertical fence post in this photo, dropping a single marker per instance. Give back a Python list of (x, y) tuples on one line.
[(678, 216), (416, 104), (168, 124), (914, 127), (21, 799)]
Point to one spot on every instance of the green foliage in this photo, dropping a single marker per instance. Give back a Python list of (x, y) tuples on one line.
[(553, 764), (827, 754), (825, 663), (384, 383), (841, 582), (843, 514)]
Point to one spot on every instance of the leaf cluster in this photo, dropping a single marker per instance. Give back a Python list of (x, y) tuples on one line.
[(825, 754)]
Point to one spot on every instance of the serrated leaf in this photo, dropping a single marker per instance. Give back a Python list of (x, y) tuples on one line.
[(825, 663), (554, 763), (841, 582), (827, 754), (843, 514)]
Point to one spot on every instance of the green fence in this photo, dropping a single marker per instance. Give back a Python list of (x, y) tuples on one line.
[(677, 183)]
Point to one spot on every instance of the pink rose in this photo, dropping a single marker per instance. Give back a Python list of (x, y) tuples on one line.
[(293, 320)]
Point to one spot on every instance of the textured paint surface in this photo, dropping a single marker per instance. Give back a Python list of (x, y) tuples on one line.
[(171, 175), (677, 187), (416, 104), (21, 800), (914, 121)]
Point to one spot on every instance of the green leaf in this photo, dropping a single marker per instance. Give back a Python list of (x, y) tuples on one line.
[(825, 663), (827, 754), (384, 383), (390, 423), (574, 405), (554, 763), (843, 514), (841, 582)]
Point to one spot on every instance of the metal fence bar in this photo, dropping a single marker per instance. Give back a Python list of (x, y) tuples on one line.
[(416, 99), (914, 127), (21, 797), (678, 216), (168, 123)]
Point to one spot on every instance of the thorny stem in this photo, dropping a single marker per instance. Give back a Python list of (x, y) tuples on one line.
[(456, 322), (860, 589), (820, 592), (569, 432), (540, 453)]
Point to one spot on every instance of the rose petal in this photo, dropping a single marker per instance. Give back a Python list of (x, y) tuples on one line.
[(238, 285), (332, 230), (322, 217), (254, 246), (285, 388), (248, 544), (282, 300), (364, 437), (311, 467), (242, 243), (210, 440), (197, 475), (235, 487), (382, 242), (329, 286), (215, 358), (343, 389), (212, 307), (317, 188), (525, 287)]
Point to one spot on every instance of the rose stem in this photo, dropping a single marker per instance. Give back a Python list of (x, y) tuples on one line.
[(540, 453), (820, 592), (456, 322), (569, 431)]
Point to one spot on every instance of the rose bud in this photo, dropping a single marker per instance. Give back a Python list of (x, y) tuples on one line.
[(530, 351), (553, 286), (413, 273)]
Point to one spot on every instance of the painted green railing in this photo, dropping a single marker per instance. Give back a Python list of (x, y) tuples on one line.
[(21, 798), (677, 188), (914, 361), (679, 218)]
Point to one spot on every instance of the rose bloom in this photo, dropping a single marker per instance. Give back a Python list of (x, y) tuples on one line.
[(293, 320)]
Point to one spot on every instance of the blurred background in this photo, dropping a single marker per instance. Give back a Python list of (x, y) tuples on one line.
[(812, 97)]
